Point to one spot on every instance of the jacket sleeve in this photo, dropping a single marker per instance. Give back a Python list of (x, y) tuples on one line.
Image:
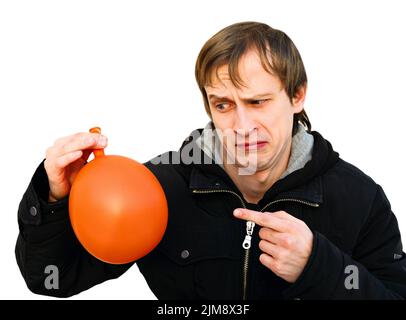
[(46, 239), (376, 269)]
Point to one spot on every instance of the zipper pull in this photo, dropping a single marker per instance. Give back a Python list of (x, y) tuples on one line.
[(247, 241)]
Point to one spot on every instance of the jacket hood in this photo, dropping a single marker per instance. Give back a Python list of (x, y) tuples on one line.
[(301, 151)]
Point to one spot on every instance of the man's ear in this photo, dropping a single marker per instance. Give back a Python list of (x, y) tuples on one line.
[(299, 98)]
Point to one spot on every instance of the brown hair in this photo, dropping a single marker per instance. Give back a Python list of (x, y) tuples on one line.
[(228, 45)]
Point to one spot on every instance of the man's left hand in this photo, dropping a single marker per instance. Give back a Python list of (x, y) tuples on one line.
[(286, 242)]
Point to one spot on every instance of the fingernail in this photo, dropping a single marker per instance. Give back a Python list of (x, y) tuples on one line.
[(237, 212), (102, 141), (90, 140)]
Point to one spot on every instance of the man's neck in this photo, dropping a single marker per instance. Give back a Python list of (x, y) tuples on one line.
[(253, 187)]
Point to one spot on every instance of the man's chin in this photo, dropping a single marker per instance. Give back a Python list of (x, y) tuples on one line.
[(251, 164), (246, 167)]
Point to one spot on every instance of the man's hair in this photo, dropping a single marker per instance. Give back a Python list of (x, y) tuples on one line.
[(227, 47)]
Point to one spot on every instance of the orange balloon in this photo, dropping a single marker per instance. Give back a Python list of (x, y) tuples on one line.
[(117, 208)]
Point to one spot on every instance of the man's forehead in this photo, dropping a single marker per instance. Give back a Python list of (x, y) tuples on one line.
[(250, 74), (221, 85), (219, 77)]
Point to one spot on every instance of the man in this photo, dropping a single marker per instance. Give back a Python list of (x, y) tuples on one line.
[(266, 209)]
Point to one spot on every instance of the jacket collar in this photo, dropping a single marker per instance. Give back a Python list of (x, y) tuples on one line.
[(303, 183), (310, 192), (301, 152)]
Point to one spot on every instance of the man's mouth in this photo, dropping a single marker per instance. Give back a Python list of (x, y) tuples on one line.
[(251, 145)]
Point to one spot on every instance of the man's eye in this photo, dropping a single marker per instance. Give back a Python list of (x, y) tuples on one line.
[(222, 106), (259, 101)]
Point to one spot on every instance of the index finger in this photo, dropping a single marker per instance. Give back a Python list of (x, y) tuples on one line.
[(262, 219), (81, 141)]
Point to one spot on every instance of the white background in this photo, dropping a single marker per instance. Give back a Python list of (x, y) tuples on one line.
[(128, 66)]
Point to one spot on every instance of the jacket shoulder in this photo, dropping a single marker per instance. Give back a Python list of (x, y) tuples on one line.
[(350, 173), (351, 190)]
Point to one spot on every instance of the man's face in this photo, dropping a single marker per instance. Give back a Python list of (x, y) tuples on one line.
[(256, 119)]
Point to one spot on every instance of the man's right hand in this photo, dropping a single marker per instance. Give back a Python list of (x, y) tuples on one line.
[(66, 157)]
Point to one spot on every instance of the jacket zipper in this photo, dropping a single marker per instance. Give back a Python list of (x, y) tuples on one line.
[(250, 228), (311, 204)]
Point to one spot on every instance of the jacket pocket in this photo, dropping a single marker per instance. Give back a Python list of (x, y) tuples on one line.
[(189, 245), (209, 253)]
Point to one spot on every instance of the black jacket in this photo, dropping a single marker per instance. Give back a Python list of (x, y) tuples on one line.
[(201, 255)]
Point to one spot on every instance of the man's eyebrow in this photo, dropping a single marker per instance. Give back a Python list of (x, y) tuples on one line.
[(258, 96), (214, 97), (255, 97)]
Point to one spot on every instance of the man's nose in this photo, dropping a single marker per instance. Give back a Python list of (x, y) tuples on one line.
[(244, 125)]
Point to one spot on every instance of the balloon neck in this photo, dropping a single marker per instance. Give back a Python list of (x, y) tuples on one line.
[(97, 152)]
